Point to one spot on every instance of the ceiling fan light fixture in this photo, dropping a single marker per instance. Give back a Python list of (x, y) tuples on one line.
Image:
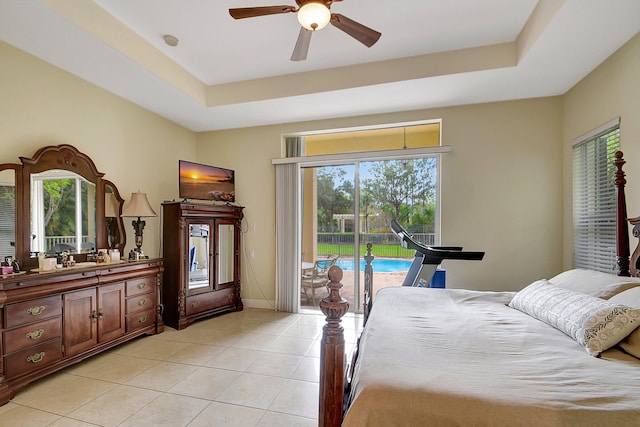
[(314, 16)]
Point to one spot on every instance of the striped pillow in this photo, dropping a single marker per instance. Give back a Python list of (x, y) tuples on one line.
[(593, 322)]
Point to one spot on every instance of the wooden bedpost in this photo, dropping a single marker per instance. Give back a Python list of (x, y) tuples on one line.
[(332, 355), (622, 229), (634, 269), (368, 284)]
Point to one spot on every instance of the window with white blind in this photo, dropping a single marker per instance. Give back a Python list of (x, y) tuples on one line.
[(594, 199)]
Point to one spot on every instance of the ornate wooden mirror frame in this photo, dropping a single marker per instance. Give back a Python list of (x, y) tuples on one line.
[(68, 158), (10, 176)]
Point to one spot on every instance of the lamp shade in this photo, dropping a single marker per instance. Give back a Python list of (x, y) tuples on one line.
[(110, 205), (138, 206), (314, 16)]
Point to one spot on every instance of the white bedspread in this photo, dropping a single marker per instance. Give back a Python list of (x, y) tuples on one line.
[(444, 357)]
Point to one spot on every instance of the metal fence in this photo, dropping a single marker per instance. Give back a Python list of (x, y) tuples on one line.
[(385, 244), (64, 243)]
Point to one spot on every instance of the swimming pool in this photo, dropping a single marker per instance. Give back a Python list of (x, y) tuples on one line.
[(380, 265)]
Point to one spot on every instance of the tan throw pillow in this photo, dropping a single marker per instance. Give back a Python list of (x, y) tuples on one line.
[(630, 297), (594, 283), (593, 322)]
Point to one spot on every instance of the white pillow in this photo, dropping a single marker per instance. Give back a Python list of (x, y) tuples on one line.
[(594, 283), (630, 297), (593, 322)]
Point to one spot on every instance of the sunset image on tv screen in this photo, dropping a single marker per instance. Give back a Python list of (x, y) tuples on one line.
[(205, 182)]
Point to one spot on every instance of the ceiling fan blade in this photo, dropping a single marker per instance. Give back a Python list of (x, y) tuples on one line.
[(250, 12), (362, 33), (302, 45)]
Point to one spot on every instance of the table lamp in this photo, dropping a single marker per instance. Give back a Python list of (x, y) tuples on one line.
[(138, 207)]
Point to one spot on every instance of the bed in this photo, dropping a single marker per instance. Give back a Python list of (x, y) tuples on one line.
[(561, 352)]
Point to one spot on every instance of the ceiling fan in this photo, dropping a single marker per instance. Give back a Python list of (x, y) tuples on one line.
[(313, 15)]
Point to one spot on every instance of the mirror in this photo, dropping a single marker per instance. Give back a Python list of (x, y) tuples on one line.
[(63, 212), (226, 252), (61, 203), (199, 235), (8, 211)]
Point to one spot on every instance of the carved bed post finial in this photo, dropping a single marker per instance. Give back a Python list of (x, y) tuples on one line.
[(368, 283), (635, 257), (332, 353), (622, 230)]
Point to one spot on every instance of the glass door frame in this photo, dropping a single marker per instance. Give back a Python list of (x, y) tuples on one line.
[(356, 228)]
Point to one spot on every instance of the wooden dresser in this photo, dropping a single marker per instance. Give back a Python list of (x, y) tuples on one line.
[(51, 320), (201, 248)]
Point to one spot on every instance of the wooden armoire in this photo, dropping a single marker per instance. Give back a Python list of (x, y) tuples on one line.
[(201, 247)]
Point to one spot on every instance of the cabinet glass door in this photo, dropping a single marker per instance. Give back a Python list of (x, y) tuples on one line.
[(226, 253), (198, 251)]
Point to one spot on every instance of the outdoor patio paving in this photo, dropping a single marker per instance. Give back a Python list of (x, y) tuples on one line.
[(380, 280)]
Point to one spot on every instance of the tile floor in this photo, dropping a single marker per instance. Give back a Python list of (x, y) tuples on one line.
[(252, 368)]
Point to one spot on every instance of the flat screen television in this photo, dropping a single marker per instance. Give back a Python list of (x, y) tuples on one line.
[(204, 182)]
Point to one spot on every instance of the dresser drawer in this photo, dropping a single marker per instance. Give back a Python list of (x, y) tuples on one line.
[(139, 302), (140, 286), (32, 311), (33, 358), (141, 320), (33, 334), (210, 301)]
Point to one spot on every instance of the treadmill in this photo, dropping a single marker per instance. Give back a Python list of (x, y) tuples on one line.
[(427, 258)]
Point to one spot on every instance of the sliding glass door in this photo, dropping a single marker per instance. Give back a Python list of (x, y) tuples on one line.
[(328, 231), (404, 190)]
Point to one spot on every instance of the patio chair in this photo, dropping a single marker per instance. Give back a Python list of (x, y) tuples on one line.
[(317, 278)]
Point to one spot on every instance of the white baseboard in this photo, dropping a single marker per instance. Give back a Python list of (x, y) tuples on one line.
[(259, 303)]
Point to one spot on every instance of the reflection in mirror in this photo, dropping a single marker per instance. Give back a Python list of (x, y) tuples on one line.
[(63, 212), (7, 214), (226, 253), (198, 255), (111, 213), (113, 202)]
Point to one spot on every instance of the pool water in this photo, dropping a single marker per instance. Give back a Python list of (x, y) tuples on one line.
[(380, 265)]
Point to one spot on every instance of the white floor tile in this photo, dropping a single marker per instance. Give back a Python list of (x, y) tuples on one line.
[(252, 390), (250, 368), (297, 398)]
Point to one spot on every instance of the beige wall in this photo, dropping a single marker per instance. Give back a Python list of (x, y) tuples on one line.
[(500, 188), (612, 90), (136, 149), (505, 184)]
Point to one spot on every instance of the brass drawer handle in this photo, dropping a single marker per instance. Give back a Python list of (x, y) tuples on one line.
[(142, 302), (141, 285), (36, 357), (230, 297), (142, 319), (34, 335), (34, 311), (195, 304)]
